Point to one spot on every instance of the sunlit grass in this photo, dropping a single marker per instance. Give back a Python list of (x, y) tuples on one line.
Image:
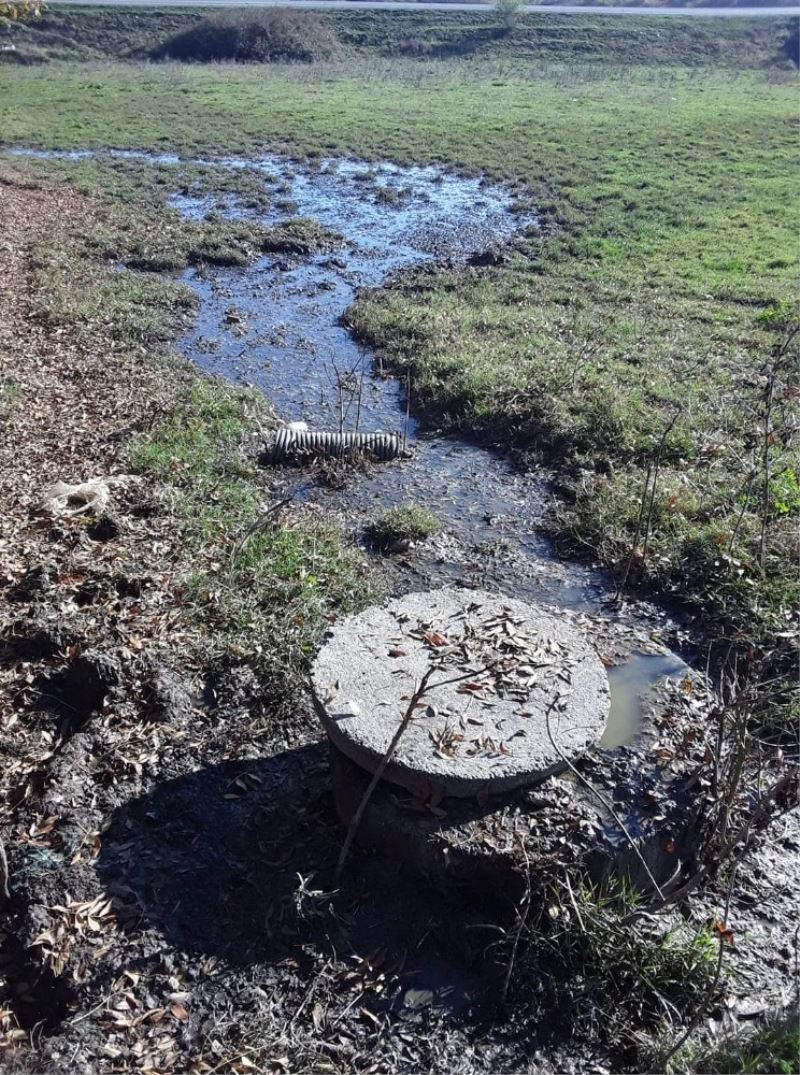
[(666, 265)]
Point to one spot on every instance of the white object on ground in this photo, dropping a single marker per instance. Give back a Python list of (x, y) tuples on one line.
[(63, 498)]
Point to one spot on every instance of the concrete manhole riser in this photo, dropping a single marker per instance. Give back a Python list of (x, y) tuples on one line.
[(525, 690)]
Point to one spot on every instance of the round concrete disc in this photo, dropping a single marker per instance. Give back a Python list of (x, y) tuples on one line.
[(525, 686)]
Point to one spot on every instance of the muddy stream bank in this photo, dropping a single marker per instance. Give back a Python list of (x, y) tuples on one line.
[(278, 325)]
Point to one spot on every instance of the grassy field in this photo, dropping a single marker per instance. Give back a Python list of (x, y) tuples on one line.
[(630, 339)]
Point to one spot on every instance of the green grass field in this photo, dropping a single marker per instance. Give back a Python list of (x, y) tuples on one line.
[(647, 308)]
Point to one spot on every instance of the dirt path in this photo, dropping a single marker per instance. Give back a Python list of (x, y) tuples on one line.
[(85, 604)]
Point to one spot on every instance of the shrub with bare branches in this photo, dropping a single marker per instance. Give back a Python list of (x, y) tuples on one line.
[(268, 35)]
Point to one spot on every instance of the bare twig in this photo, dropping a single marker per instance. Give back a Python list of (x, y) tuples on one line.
[(712, 989), (656, 470), (408, 412), (360, 396), (635, 543), (769, 396), (523, 919), (574, 903), (5, 891), (771, 372), (745, 503), (602, 798), (423, 688)]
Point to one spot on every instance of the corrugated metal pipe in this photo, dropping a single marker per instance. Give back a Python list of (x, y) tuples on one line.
[(291, 443)]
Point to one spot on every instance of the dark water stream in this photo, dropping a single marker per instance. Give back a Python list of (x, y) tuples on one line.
[(277, 325)]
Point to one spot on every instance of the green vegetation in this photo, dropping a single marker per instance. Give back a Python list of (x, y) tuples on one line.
[(254, 588), (587, 956), (77, 285), (82, 34), (9, 392), (632, 340), (510, 12), (403, 524), (141, 230), (260, 584), (773, 1049)]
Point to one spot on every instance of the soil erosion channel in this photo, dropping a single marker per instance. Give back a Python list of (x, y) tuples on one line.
[(277, 324)]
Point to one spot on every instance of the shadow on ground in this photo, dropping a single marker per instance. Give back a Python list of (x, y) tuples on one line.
[(213, 860), (218, 863)]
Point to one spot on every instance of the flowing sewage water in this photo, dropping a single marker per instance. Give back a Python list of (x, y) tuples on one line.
[(277, 324)]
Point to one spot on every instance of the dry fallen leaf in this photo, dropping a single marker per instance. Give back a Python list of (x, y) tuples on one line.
[(435, 639)]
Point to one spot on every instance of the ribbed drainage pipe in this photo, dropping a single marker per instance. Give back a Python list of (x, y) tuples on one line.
[(290, 443)]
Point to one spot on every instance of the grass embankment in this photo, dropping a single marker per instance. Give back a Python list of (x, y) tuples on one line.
[(83, 34), (649, 310), (260, 584)]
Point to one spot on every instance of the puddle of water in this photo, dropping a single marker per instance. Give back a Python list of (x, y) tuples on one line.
[(630, 682), (91, 154), (287, 338)]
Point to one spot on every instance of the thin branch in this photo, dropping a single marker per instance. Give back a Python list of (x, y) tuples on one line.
[(408, 412), (635, 543), (712, 989), (745, 503), (5, 891), (656, 470), (523, 919), (602, 798), (768, 401), (423, 688)]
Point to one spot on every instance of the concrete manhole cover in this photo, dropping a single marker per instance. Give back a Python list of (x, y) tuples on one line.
[(519, 671)]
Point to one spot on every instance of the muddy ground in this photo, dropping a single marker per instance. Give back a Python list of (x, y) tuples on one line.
[(168, 819)]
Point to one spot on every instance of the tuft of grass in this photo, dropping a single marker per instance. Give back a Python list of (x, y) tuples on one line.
[(137, 309), (187, 449), (402, 525), (260, 585), (585, 959), (9, 393), (772, 1049)]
